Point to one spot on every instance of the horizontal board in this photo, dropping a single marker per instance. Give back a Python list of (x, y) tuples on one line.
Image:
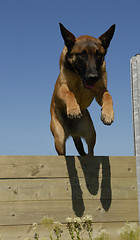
[(28, 212), (66, 189), (57, 186), (26, 231), (60, 166)]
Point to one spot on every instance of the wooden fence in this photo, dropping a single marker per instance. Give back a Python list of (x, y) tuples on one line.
[(32, 187)]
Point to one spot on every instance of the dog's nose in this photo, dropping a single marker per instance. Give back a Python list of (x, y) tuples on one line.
[(92, 78)]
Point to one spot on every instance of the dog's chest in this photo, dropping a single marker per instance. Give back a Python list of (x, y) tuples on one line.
[(84, 97)]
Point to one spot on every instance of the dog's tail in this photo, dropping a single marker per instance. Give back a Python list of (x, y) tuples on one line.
[(79, 145)]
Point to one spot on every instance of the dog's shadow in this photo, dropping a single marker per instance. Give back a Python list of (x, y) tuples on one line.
[(90, 167)]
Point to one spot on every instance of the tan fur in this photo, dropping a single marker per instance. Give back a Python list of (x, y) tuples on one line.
[(71, 98)]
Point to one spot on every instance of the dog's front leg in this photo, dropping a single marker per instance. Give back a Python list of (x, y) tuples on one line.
[(105, 100), (72, 107), (107, 115)]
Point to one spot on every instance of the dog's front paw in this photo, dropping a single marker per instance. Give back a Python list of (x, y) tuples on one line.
[(107, 116), (74, 112)]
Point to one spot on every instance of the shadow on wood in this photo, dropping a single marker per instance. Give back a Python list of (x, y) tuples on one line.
[(90, 167)]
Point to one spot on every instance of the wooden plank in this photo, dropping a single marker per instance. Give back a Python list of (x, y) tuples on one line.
[(62, 188), (19, 213), (34, 186), (26, 231), (60, 166)]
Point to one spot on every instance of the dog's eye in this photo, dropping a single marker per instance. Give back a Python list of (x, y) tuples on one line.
[(82, 54), (98, 55)]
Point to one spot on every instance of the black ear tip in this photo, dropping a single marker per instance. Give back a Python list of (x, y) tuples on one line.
[(62, 28), (113, 27), (60, 24)]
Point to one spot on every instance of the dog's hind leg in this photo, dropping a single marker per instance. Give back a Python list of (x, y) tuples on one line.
[(90, 140), (90, 136), (59, 145), (59, 136), (85, 129), (79, 145)]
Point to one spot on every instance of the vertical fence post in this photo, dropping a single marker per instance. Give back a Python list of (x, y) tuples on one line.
[(135, 90)]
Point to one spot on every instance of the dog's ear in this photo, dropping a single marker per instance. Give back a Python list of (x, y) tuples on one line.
[(107, 36), (68, 37)]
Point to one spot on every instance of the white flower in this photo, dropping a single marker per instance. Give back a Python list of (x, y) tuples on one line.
[(57, 224), (69, 220), (87, 218), (34, 226), (77, 220)]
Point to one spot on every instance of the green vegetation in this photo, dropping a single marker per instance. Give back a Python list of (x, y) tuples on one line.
[(78, 228)]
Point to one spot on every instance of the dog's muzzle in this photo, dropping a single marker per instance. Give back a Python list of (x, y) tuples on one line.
[(90, 81)]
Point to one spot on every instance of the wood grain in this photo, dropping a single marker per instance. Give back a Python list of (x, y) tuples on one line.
[(61, 189), (18, 213), (52, 166), (34, 186)]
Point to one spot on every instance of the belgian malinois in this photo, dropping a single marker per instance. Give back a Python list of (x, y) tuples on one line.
[(82, 78)]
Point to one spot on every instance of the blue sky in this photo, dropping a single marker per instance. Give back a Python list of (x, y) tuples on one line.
[(30, 47)]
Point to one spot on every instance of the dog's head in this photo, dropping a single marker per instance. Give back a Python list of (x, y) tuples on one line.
[(85, 54)]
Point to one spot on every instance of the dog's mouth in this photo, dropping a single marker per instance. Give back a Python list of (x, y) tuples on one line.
[(90, 82)]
